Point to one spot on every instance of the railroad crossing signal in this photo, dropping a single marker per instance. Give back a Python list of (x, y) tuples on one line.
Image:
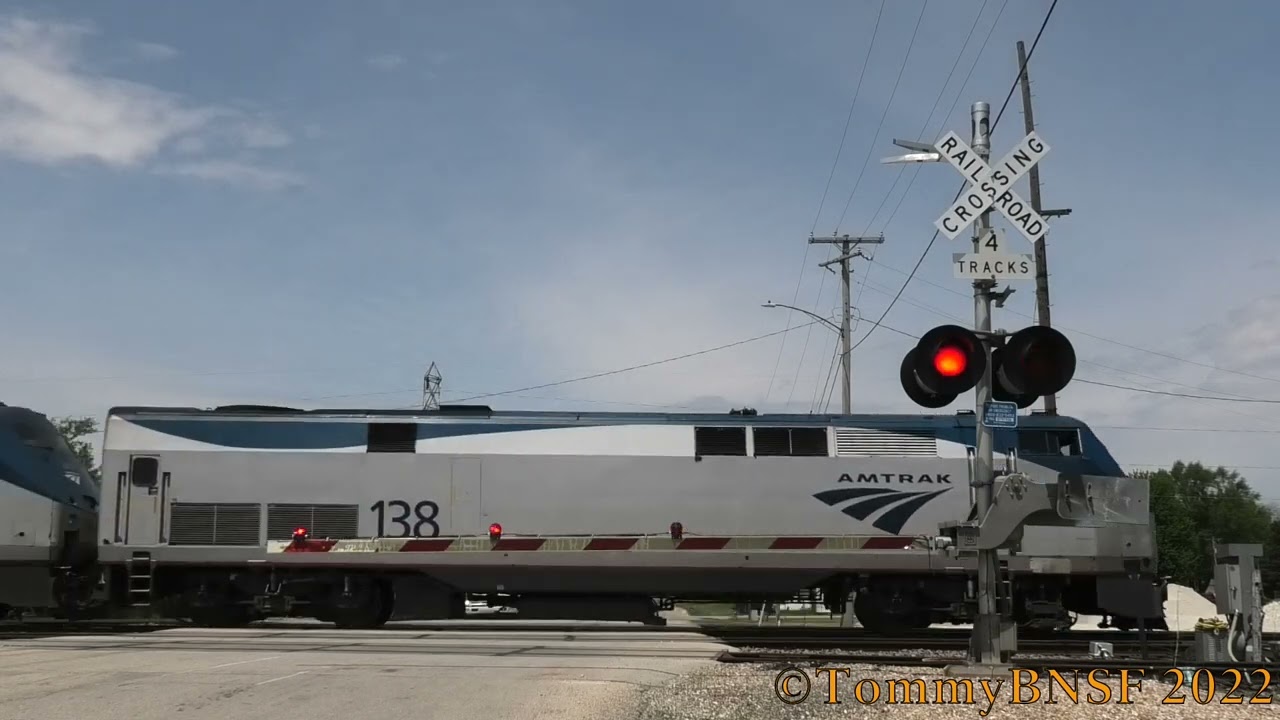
[(1035, 361), (991, 186), (991, 262), (949, 360)]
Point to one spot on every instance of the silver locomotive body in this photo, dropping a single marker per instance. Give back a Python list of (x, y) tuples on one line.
[(397, 511)]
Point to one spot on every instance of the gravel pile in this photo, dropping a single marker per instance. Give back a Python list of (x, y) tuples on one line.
[(746, 692), (1185, 607)]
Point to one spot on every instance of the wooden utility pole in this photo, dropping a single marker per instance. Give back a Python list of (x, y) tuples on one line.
[(1042, 263), (847, 253)]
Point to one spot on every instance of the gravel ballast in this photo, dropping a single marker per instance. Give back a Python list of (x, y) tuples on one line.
[(746, 692)]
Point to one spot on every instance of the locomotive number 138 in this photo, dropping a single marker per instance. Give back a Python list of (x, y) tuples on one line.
[(399, 518)]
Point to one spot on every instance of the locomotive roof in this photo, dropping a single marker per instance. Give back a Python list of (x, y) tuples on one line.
[(481, 412)]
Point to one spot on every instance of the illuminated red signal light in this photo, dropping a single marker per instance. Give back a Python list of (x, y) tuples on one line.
[(950, 362), (947, 361), (495, 532), (300, 534)]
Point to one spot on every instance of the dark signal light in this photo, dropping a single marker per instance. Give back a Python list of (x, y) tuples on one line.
[(1034, 361), (1001, 392)]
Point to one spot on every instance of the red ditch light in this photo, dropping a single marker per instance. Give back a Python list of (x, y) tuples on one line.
[(495, 532)]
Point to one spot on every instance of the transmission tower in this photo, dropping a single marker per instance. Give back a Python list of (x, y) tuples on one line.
[(431, 388)]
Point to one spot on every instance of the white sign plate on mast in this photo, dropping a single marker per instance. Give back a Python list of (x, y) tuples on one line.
[(993, 266), (991, 262), (992, 187)]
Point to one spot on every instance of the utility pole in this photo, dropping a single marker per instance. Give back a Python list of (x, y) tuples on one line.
[(1042, 266), (847, 253), (986, 645)]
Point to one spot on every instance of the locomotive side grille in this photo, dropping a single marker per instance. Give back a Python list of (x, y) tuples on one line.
[(320, 521), (392, 437), (214, 523), (864, 443), (793, 442)]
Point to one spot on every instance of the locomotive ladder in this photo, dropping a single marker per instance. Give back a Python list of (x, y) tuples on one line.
[(138, 573)]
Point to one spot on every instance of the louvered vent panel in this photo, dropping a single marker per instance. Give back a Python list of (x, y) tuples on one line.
[(214, 523), (871, 443), (321, 521)]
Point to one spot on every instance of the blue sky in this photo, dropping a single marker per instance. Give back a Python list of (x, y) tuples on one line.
[(307, 203)]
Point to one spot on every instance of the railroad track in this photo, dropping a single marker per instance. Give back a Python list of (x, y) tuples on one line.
[(1257, 685), (737, 635)]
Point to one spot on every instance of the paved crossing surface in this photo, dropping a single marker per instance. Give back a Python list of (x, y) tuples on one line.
[(317, 673)]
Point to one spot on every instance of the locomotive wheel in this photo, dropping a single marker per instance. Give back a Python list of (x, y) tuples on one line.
[(370, 606), (876, 619)]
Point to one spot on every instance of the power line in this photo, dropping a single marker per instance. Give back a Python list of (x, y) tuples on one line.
[(858, 181), (633, 367), (1135, 389), (941, 93), (949, 316), (1031, 52), (951, 111), (875, 31), (1100, 338), (1181, 395), (876, 138)]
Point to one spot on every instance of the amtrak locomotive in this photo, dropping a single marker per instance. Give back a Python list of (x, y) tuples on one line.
[(361, 516), (48, 519)]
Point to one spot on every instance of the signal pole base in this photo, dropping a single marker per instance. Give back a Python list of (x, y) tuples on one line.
[(994, 640)]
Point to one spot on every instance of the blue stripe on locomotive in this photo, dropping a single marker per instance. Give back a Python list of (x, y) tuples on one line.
[(274, 433), (296, 435), (34, 457)]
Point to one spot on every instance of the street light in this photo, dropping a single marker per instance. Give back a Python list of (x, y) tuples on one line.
[(846, 373)]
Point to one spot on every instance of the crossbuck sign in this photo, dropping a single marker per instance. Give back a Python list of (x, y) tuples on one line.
[(992, 186)]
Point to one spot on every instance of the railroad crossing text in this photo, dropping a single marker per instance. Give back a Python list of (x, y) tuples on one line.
[(837, 685)]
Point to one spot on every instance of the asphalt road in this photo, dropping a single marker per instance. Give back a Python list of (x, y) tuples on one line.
[(316, 673)]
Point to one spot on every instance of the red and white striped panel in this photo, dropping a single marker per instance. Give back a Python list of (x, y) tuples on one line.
[(634, 543)]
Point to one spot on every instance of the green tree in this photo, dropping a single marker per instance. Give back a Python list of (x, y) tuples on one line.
[(74, 430), (1193, 506)]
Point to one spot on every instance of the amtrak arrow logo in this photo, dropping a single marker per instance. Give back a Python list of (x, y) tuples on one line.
[(904, 504)]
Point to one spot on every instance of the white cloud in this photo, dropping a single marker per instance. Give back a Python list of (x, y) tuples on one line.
[(54, 109), (155, 51), (386, 61), (237, 173), (262, 134)]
